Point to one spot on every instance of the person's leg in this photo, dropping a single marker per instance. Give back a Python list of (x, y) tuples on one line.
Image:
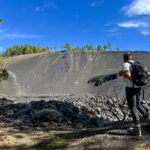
[(132, 103), (131, 100), (141, 109)]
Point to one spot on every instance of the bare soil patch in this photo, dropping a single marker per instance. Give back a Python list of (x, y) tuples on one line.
[(66, 138)]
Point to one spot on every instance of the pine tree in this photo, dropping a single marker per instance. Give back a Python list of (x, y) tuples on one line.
[(118, 49), (90, 48), (105, 47), (67, 47), (50, 48), (44, 49), (99, 48), (62, 47), (109, 46), (55, 48), (83, 48)]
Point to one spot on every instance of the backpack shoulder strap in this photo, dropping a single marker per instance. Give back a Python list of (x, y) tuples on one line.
[(131, 62), (131, 73)]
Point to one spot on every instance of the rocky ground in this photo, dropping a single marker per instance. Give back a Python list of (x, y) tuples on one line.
[(81, 110), (71, 122)]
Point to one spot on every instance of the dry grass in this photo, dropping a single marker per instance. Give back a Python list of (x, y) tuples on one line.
[(143, 146)]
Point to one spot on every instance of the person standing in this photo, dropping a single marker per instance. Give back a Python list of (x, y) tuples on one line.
[(133, 94)]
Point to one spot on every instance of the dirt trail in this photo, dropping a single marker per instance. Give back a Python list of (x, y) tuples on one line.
[(17, 86), (110, 138)]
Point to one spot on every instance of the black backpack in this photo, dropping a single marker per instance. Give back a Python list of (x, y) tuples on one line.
[(139, 74)]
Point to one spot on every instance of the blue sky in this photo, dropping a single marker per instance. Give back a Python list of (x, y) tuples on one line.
[(124, 23)]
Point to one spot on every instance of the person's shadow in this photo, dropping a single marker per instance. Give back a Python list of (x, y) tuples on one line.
[(99, 80)]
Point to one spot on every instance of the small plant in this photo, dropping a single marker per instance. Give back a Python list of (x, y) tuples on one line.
[(4, 75), (18, 123), (93, 141), (2, 63), (50, 114), (56, 143), (62, 141), (3, 72), (75, 126)]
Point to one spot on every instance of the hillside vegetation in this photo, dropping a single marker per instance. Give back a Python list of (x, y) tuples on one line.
[(3, 72), (28, 49)]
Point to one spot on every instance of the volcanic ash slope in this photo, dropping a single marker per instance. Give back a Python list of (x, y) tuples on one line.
[(63, 73)]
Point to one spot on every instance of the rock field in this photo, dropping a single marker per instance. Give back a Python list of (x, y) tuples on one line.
[(82, 111)]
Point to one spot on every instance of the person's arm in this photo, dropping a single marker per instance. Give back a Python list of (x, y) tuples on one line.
[(149, 73), (125, 74), (125, 70), (120, 73)]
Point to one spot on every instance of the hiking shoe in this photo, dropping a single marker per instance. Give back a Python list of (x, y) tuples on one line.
[(135, 132), (130, 129)]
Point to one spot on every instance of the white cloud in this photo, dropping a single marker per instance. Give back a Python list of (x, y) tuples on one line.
[(113, 30), (50, 4), (21, 36), (108, 24), (133, 24), (145, 32), (46, 5), (37, 8), (97, 3), (93, 4), (138, 7)]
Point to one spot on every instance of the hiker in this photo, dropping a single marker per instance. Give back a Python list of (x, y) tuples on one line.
[(133, 93)]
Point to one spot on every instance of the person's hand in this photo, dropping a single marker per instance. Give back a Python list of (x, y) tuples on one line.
[(120, 73), (149, 73)]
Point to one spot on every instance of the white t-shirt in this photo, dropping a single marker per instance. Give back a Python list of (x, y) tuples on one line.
[(128, 67)]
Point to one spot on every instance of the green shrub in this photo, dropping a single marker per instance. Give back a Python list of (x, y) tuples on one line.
[(4, 75), (2, 63), (49, 115)]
